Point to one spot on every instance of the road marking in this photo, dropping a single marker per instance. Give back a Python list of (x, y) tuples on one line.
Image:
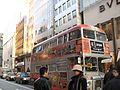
[(17, 85)]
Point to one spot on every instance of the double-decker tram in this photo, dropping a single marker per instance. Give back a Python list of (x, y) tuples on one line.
[(82, 44)]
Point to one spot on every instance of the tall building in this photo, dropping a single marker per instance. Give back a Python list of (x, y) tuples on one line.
[(20, 45), (8, 53), (41, 11), (1, 49)]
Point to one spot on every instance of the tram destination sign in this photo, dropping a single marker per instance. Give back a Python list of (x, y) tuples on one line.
[(96, 47)]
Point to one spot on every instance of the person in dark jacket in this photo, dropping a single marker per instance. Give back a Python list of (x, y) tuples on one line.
[(42, 83), (114, 84), (77, 82), (109, 75)]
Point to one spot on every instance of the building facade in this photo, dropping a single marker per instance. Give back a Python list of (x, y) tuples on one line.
[(19, 46), (1, 49), (8, 61), (106, 15), (42, 13)]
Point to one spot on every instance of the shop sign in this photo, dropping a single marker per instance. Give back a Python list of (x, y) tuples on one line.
[(108, 4)]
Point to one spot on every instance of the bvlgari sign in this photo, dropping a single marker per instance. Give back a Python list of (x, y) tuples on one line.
[(108, 4)]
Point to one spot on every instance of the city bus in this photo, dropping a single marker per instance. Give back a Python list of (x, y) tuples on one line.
[(83, 44)]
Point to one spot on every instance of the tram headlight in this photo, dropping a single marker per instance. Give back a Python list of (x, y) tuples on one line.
[(89, 83)]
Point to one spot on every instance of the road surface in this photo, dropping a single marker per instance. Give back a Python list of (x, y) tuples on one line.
[(11, 85)]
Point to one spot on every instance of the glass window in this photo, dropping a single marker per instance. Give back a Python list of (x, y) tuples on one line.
[(73, 2), (91, 64), (101, 36), (56, 11), (88, 34), (56, 23), (60, 40), (60, 9), (74, 14), (68, 4), (64, 19), (52, 67), (54, 42), (64, 6), (69, 16), (65, 38), (60, 21), (74, 34)]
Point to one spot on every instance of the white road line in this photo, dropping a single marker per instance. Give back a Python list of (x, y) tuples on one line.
[(16, 85)]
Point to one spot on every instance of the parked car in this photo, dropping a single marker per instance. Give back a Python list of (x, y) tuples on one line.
[(22, 78), (10, 76), (4, 73)]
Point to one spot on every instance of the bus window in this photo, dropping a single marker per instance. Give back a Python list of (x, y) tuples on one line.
[(88, 34), (101, 36), (91, 63), (54, 42), (37, 49), (74, 34), (45, 46), (60, 40), (65, 38), (52, 67), (37, 68), (61, 66)]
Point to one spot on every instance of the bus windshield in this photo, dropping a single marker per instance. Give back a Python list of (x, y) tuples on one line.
[(101, 36), (91, 64), (88, 34)]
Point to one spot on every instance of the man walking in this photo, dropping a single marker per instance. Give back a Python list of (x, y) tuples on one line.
[(42, 83)]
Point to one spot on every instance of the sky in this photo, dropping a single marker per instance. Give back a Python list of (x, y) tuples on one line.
[(9, 16)]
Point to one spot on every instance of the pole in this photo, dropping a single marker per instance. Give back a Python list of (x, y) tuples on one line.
[(114, 29)]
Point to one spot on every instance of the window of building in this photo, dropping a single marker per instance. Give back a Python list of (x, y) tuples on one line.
[(60, 9), (60, 22), (68, 3), (60, 40), (73, 2), (74, 34), (64, 19), (74, 14), (88, 34), (56, 11), (64, 6), (69, 16), (35, 32), (65, 38), (56, 23)]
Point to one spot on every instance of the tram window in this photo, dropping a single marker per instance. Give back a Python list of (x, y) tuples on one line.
[(101, 36), (52, 67), (45, 46), (61, 66), (38, 68), (74, 34), (65, 38), (91, 63), (88, 34), (54, 42), (60, 40)]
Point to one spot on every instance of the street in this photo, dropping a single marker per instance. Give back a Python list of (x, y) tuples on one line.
[(11, 85)]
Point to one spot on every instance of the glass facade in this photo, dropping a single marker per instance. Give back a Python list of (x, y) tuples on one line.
[(1, 48)]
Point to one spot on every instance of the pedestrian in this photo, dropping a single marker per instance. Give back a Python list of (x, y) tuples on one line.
[(109, 75), (42, 83), (77, 82), (114, 84)]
